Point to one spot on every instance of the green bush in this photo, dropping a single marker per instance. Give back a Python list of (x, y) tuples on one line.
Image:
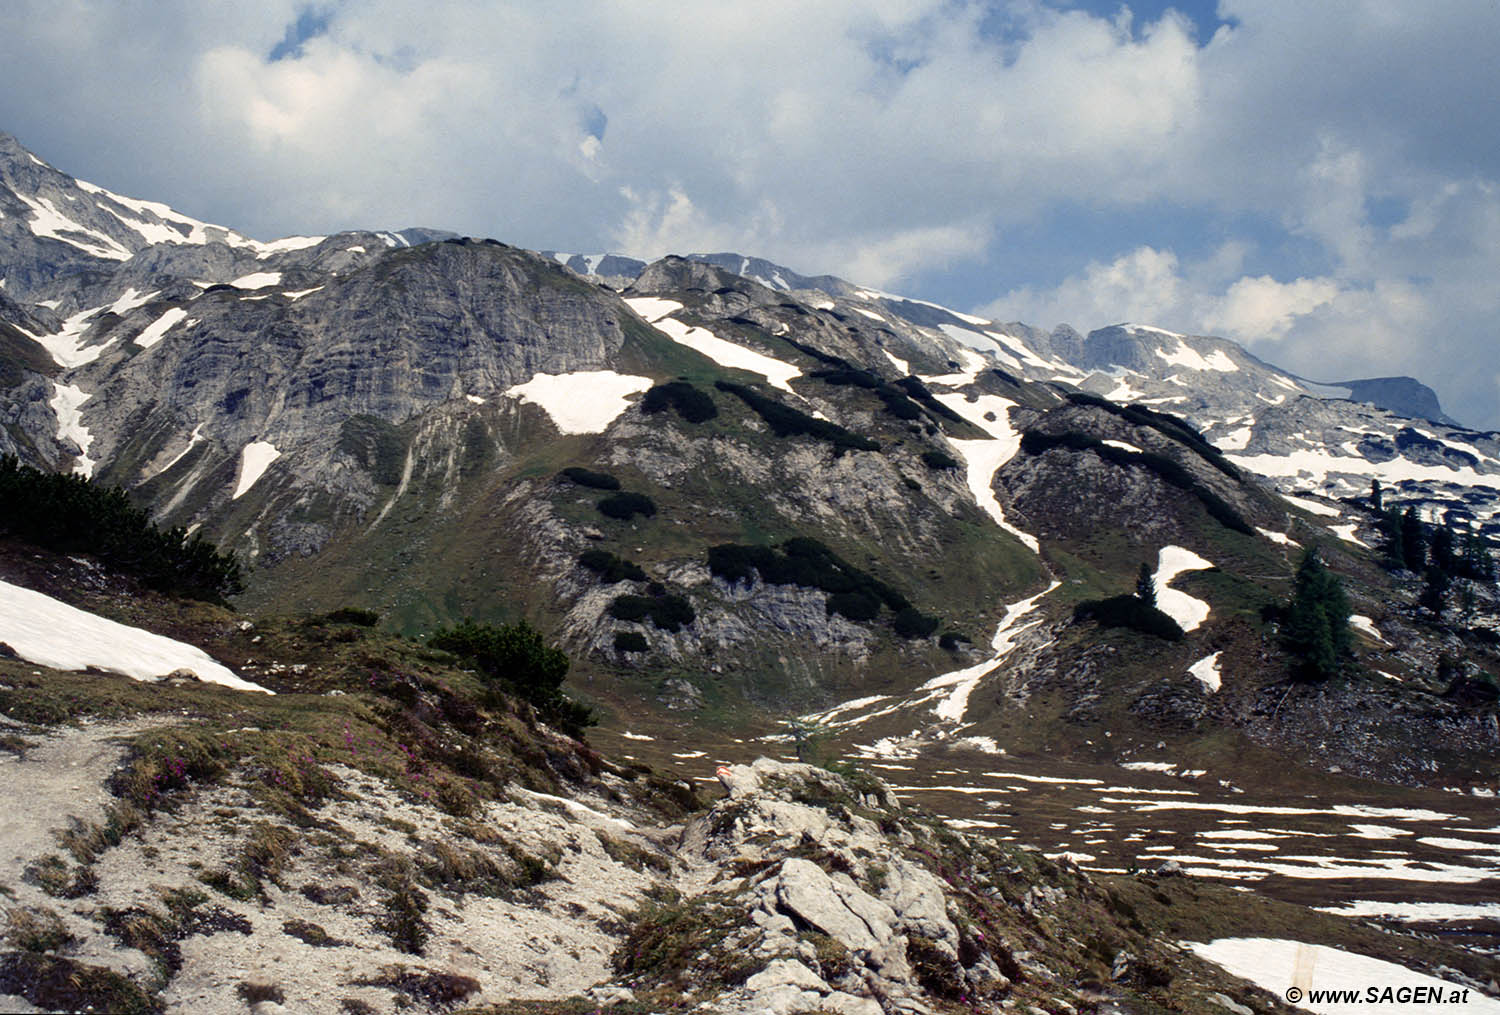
[(611, 568), (951, 640), (1129, 611), (856, 606), (897, 404), (801, 561), (938, 460), (691, 404), (589, 478), (918, 392), (910, 623), (71, 514), (626, 505), (353, 615), (515, 658), (666, 611), (630, 641), (785, 421)]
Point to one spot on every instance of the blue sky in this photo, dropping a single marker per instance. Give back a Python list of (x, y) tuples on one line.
[(1319, 182)]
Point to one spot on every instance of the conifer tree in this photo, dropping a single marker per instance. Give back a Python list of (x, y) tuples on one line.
[(1443, 547), (1145, 585), (1377, 497), (1477, 563), (1413, 541), (1317, 620), (1434, 595), (1395, 548)]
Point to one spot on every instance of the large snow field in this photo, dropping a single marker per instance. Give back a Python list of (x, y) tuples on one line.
[(1278, 965), (586, 401), (257, 280), (1183, 356), (981, 342), (49, 223), (982, 459), (48, 632), (1189, 612)]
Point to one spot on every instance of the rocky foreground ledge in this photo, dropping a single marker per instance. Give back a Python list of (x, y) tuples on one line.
[(801, 890)]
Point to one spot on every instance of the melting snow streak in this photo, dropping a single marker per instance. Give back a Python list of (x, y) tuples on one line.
[(963, 682), (984, 458)]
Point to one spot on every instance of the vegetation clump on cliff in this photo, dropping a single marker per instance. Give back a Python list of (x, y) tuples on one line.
[(71, 514)]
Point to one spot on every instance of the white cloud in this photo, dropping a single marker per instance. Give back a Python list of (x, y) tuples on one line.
[(1260, 309), (1143, 285)]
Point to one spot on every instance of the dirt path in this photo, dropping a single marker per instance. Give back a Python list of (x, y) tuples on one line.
[(59, 778)]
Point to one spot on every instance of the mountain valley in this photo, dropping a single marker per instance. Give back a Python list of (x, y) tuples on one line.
[(766, 516)]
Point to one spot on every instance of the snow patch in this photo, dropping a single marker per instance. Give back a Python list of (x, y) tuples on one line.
[(1365, 625), (1207, 672), (586, 401), (255, 459), (66, 402), (1413, 912), (900, 364), (128, 301), (1346, 533), (1189, 612), (1122, 445), (257, 280), (1278, 965), (197, 435), (1184, 356), (47, 632), (157, 329), (1277, 537)]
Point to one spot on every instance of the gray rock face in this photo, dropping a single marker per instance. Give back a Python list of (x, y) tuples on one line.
[(1405, 396)]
